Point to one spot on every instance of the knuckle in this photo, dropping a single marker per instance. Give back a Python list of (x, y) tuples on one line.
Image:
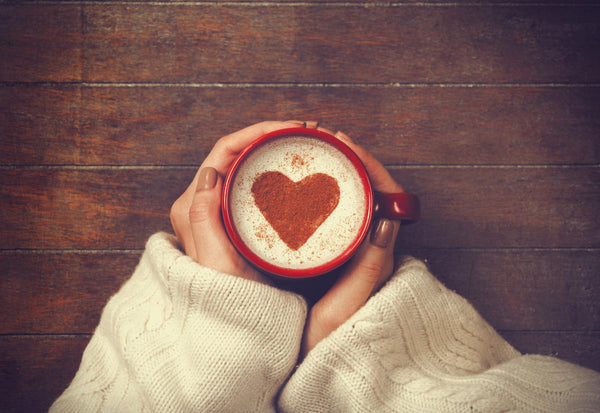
[(177, 210), (371, 269), (223, 144), (220, 144), (328, 317), (200, 211)]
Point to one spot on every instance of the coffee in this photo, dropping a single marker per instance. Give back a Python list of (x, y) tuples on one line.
[(298, 202)]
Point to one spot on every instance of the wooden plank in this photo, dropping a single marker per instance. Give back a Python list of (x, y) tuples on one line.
[(48, 364), (236, 43), (37, 369), (40, 43), (59, 293), (178, 125), (39, 125), (556, 290), (580, 347), (514, 290), (481, 207), (495, 207), (371, 3), (82, 209), (299, 43)]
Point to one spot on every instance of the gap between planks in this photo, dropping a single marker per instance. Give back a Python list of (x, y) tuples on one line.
[(391, 166), (32, 251), (366, 5), (332, 85)]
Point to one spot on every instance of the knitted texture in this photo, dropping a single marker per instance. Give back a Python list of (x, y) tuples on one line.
[(179, 337), (418, 347), (182, 337)]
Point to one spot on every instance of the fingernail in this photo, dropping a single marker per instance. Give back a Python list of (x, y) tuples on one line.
[(207, 178), (311, 124), (383, 233)]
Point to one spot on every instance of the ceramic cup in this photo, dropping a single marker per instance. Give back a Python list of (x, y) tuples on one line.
[(298, 202)]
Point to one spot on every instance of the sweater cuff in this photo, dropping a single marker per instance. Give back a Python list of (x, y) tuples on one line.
[(182, 337), (412, 330), (417, 310), (240, 338), (198, 289)]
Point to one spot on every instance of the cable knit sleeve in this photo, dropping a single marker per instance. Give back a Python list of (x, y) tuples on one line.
[(181, 337), (418, 347)]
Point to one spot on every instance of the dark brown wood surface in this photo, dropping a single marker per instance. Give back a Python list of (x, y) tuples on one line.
[(490, 112)]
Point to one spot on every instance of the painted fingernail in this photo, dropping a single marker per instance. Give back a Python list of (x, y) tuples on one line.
[(383, 233), (207, 178)]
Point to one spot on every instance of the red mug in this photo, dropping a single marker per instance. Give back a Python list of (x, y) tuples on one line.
[(298, 202)]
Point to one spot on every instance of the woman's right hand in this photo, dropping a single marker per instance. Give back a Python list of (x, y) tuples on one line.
[(196, 214)]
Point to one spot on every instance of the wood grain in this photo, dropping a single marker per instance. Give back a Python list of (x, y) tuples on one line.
[(300, 43), (320, 44), (37, 369), (47, 364), (548, 290), (59, 292), (40, 43), (490, 112), (81, 209), (523, 289), (76, 125), (462, 207), (582, 347), (548, 207)]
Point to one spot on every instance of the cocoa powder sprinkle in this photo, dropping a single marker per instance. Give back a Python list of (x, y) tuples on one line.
[(295, 209)]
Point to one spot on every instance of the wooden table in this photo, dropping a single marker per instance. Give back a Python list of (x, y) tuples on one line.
[(490, 112)]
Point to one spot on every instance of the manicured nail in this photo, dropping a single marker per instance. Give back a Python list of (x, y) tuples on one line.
[(207, 178), (383, 233)]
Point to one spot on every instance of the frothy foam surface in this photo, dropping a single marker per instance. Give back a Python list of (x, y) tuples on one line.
[(297, 158)]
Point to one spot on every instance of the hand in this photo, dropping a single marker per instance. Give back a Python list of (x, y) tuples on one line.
[(366, 272), (196, 215)]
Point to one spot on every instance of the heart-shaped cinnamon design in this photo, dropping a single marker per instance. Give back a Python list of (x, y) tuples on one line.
[(295, 209)]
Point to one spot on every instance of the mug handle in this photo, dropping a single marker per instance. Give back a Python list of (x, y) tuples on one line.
[(400, 206)]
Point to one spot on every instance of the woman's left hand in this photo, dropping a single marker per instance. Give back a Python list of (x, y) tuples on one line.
[(366, 271)]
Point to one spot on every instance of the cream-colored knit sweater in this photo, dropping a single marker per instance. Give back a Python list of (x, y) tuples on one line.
[(180, 337)]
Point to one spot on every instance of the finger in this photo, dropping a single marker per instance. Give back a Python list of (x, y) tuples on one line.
[(322, 129), (365, 270), (313, 124), (202, 210), (228, 147), (380, 177), (212, 247), (179, 216)]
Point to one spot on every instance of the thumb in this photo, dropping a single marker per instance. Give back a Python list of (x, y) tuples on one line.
[(367, 270), (212, 246), (211, 242)]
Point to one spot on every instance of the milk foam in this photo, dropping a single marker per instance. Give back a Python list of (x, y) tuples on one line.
[(298, 157)]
